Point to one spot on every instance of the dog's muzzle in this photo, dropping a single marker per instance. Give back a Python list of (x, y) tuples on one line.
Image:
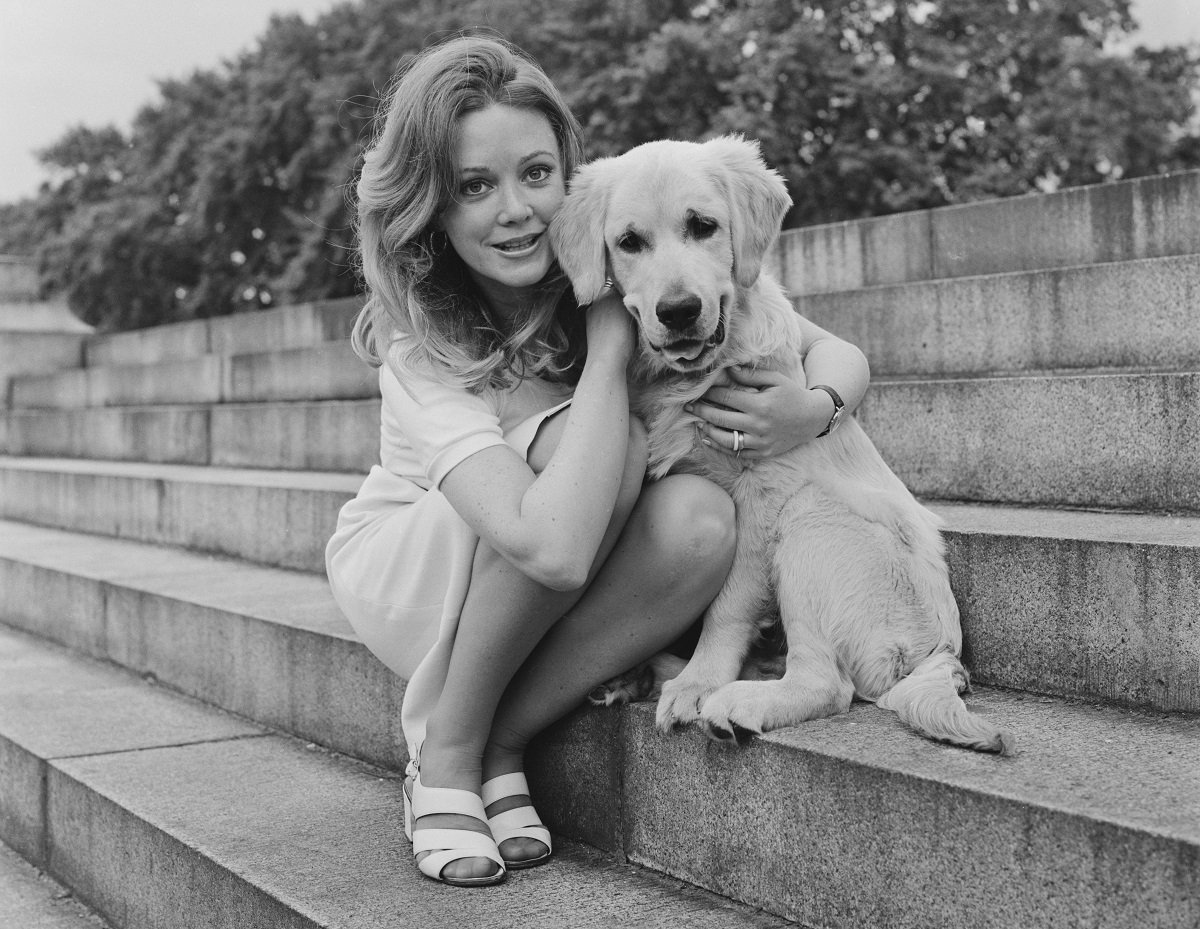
[(691, 356)]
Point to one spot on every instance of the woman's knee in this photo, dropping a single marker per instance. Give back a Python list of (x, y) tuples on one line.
[(692, 521)]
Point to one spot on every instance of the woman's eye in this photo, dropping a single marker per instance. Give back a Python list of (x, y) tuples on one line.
[(473, 188), (539, 173)]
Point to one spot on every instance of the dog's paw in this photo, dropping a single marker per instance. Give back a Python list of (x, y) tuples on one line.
[(680, 702), (735, 712), (638, 683)]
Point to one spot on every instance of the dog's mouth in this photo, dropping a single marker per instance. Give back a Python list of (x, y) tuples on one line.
[(693, 355)]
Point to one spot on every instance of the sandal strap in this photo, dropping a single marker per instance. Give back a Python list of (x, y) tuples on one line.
[(446, 845), (427, 801), (506, 785), (520, 823)]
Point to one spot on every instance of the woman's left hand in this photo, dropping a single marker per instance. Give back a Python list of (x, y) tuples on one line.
[(773, 412)]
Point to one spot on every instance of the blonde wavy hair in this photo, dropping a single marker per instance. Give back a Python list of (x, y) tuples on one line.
[(417, 286)]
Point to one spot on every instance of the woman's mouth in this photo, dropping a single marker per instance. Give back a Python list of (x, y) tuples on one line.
[(518, 247)]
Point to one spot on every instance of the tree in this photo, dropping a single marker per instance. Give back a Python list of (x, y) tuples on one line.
[(232, 190)]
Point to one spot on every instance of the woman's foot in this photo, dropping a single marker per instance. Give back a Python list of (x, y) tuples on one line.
[(523, 840), (452, 840)]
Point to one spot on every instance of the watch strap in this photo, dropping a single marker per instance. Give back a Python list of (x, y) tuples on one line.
[(838, 407)]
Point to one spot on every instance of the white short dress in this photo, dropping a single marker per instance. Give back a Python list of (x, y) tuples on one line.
[(400, 560)]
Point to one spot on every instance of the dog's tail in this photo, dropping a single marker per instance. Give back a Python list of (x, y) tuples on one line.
[(928, 700)]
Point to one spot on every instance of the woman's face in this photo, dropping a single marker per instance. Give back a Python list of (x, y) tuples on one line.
[(509, 184)]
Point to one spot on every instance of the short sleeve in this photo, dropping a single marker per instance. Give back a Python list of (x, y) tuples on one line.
[(442, 423)]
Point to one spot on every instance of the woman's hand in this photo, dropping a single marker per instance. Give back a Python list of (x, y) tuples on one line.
[(774, 413)]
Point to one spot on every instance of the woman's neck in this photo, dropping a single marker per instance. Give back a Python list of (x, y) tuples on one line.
[(503, 302)]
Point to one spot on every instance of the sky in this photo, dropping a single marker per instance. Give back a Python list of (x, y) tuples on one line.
[(95, 62)]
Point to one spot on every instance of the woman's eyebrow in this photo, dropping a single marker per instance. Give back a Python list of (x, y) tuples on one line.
[(481, 169)]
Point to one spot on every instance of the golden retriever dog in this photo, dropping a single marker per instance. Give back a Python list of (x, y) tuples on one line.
[(829, 540)]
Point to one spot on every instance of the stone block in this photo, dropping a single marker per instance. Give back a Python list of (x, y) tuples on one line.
[(1070, 318), (1116, 441), (151, 345), (1099, 606), (174, 434), (68, 388), (279, 518), (36, 353), (1142, 218), (326, 372), (283, 328), (331, 435), (183, 380)]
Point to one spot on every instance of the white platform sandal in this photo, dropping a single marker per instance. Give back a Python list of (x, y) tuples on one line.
[(521, 822), (448, 845)]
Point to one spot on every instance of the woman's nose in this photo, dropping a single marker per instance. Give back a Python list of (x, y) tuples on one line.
[(515, 207)]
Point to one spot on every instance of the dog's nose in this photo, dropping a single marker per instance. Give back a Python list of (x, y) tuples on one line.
[(678, 314)]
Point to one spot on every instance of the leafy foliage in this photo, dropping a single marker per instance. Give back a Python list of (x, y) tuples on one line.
[(230, 192)]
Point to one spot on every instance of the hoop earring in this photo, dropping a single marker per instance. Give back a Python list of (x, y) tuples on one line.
[(438, 240)]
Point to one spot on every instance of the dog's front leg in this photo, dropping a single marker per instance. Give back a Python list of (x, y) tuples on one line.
[(730, 626)]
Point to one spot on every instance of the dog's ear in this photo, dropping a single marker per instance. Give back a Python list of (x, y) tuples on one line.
[(577, 231), (758, 200)]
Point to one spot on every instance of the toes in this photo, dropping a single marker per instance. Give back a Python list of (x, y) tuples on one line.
[(468, 868), (520, 850)]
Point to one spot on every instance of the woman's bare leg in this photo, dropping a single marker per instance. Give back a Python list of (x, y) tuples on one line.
[(664, 558), (504, 616), (667, 566)]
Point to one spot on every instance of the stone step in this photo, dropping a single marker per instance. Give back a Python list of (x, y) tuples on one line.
[(1112, 441), (31, 900), (283, 518), (1129, 314), (146, 803), (207, 626), (287, 327), (157, 810), (327, 371), (1139, 315), (1123, 441), (1098, 606), (1148, 217), (325, 435), (23, 352)]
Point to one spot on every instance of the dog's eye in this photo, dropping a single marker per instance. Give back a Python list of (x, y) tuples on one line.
[(630, 242), (700, 227)]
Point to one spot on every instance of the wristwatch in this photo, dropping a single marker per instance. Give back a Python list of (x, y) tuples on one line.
[(838, 408)]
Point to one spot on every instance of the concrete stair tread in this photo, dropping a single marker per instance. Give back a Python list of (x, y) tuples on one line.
[(1155, 261), (316, 435), (1065, 318), (1100, 224), (1061, 733), (1079, 525), (286, 818), (296, 836), (326, 370), (1117, 625), (294, 326), (31, 900), (1118, 782), (298, 599), (1039, 374), (198, 474)]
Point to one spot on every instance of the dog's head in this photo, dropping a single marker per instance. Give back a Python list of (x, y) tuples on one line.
[(680, 227)]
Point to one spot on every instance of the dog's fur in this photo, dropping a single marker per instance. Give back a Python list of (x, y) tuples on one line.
[(826, 533)]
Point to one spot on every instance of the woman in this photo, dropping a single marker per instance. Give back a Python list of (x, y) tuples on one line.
[(505, 556)]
